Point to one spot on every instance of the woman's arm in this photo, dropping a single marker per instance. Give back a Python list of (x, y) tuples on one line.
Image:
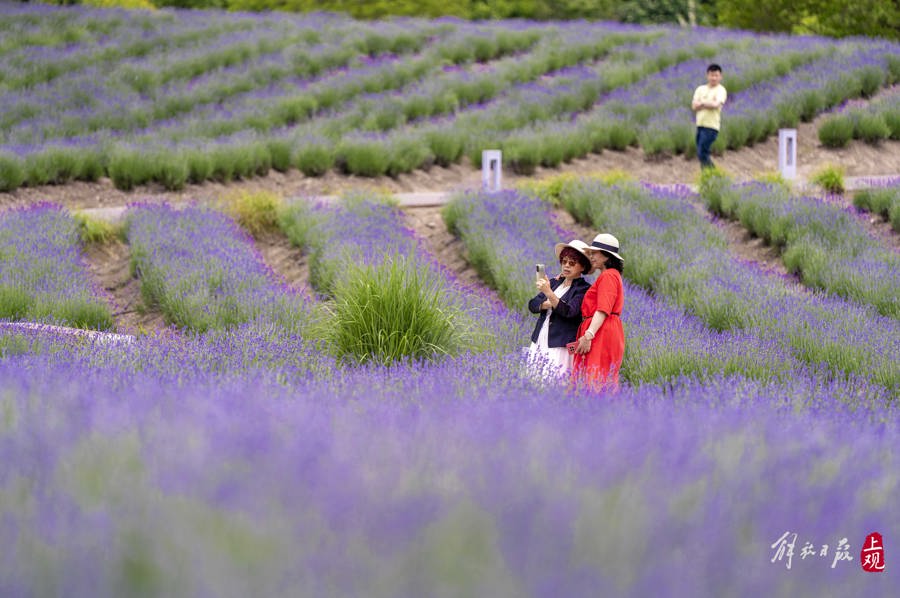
[(584, 343)]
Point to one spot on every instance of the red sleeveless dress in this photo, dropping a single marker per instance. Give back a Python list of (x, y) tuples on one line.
[(599, 368)]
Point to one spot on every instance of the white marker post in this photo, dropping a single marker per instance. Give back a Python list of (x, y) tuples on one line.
[(787, 153), (491, 170)]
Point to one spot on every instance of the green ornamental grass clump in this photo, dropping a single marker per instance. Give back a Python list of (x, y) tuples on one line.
[(393, 311), (831, 179), (257, 212), (93, 230)]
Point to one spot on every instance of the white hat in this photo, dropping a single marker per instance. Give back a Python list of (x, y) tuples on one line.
[(579, 246), (608, 244)]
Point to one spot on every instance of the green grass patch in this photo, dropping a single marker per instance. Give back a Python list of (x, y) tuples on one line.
[(256, 211)]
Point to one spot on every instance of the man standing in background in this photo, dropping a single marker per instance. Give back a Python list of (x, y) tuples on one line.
[(707, 103)]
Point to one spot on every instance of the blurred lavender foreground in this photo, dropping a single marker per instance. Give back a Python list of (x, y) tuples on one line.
[(142, 472)]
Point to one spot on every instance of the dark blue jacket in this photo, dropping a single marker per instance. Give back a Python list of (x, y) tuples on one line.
[(566, 316)]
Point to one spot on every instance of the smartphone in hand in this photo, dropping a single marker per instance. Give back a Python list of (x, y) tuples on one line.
[(539, 271), (571, 346)]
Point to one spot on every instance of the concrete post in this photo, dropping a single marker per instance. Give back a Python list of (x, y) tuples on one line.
[(787, 153), (491, 170)]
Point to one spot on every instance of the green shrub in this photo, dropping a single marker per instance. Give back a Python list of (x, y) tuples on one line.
[(714, 188), (446, 145), (892, 119), (622, 135), (363, 157), (314, 157), (91, 165), (280, 153), (12, 173), (872, 128), (226, 162), (884, 202), (170, 169), (257, 212), (392, 312), (836, 131), (871, 79), (831, 179), (93, 230), (14, 302), (129, 168), (522, 154), (199, 165), (408, 153)]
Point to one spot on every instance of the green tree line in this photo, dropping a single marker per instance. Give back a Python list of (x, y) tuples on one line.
[(836, 18)]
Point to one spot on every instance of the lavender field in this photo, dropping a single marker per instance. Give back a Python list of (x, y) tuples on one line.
[(378, 433), (175, 98)]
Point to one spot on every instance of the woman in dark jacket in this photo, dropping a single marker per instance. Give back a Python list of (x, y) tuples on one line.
[(559, 304)]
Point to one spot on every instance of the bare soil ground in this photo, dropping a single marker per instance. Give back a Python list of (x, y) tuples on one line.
[(286, 261), (108, 264)]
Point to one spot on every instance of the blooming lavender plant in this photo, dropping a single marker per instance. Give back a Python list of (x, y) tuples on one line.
[(686, 259), (826, 244), (203, 272), (506, 233), (42, 271), (883, 200), (417, 480)]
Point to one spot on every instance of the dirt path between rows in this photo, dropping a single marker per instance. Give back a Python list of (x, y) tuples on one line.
[(429, 227), (288, 263), (109, 268)]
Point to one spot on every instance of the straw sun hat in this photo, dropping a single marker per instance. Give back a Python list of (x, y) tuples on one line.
[(581, 247), (606, 243)]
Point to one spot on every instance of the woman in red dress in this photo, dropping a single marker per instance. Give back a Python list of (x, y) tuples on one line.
[(601, 339)]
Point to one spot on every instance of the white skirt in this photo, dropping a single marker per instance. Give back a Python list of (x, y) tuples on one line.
[(545, 362)]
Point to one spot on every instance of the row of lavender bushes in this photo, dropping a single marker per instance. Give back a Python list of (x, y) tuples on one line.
[(883, 200), (505, 234), (203, 272), (241, 154), (825, 244), (874, 123), (263, 103), (43, 275), (686, 259)]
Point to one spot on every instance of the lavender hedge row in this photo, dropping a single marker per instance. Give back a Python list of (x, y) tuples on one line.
[(878, 121), (264, 84), (461, 478), (826, 244), (883, 200), (643, 111), (685, 258), (43, 275), (505, 234), (390, 299), (204, 272)]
